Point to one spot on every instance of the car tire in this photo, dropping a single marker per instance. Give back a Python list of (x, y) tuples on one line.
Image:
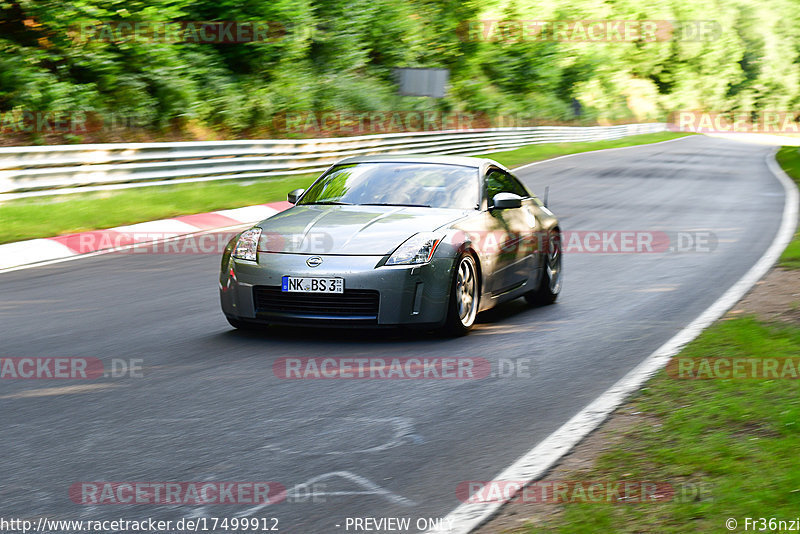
[(464, 297), (552, 273)]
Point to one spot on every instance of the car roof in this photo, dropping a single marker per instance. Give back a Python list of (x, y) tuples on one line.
[(478, 163)]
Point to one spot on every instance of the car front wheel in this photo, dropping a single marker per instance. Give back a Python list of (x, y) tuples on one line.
[(464, 295)]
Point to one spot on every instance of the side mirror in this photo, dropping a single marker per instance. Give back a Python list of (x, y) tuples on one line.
[(505, 201), (295, 195)]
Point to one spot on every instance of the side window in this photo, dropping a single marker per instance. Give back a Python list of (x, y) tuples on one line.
[(498, 181), (519, 189)]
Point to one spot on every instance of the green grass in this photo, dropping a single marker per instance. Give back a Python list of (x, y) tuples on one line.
[(790, 259), (531, 153), (789, 159), (735, 440), (64, 214)]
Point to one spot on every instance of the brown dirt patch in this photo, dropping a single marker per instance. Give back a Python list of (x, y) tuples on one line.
[(776, 297)]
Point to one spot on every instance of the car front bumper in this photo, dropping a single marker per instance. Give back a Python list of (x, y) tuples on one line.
[(407, 295)]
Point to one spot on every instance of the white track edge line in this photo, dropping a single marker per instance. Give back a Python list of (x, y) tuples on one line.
[(536, 462)]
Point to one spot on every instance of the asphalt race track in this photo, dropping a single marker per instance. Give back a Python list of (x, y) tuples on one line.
[(209, 407)]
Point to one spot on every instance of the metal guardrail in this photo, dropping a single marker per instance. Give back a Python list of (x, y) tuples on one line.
[(48, 170)]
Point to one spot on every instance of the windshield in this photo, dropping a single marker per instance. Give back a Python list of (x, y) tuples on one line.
[(398, 184)]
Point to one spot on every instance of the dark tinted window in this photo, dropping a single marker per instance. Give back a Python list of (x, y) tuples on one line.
[(498, 181)]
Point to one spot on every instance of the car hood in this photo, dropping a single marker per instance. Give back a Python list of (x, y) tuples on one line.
[(362, 230)]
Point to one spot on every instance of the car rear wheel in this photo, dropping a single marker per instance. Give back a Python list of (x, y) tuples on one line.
[(550, 281), (464, 295)]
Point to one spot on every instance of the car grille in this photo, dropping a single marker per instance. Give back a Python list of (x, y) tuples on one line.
[(358, 305)]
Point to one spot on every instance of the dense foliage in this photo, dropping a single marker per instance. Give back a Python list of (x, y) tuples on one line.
[(337, 55)]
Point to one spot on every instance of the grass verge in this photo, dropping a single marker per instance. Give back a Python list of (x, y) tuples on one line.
[(732, 441), (64, 214), (34, 217), (788, 158), (735, 440), (532, 153)]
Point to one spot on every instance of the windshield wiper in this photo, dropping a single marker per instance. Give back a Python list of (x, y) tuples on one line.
[(392, 204), (328, 202)]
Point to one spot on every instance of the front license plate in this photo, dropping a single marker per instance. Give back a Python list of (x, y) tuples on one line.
[(296, 284)]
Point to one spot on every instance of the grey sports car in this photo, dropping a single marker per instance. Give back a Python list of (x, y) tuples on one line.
[(395, 240)]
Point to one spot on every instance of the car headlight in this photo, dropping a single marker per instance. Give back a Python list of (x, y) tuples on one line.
[(418, 248), (247, 245)]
